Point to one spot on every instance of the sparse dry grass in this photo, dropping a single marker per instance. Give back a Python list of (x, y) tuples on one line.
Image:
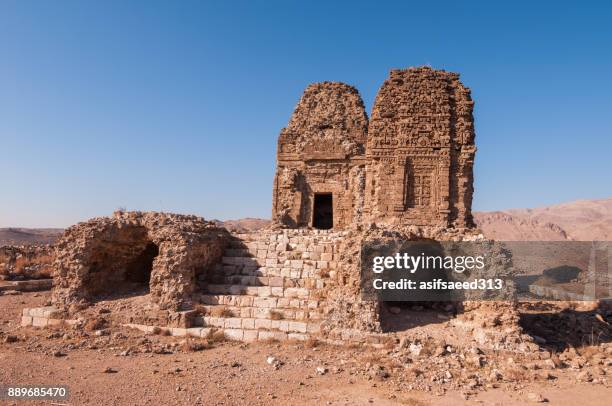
[(312, 343), (4, 264), (194, 345), (294, 255), (96, 323), (221, 311), (201, 309), (217, 336), (42, 264), (412, 402), (378, 358), (276, 315), (516, 374)]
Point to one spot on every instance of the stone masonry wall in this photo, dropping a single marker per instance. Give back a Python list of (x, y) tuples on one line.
[(270, 285)]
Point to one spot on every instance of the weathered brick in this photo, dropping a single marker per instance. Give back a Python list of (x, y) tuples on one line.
[(26, 320), (233, 322), (263, 323), (39, 321), (248, 323), (250, 335), (234, 334)]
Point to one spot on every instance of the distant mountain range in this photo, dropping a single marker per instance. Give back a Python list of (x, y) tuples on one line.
[(581, 220), (27, 236)]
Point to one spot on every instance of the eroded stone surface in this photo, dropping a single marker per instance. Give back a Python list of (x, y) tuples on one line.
[(165, 252), (410, 165), (322, 151), (421, 150)]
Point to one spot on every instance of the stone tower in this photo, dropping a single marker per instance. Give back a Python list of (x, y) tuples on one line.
[(420, 150), (320, 174), (411, 165)]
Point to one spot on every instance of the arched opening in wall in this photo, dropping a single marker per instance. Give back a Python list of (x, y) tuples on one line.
[(120, 265), (323, 211), (138, 272)]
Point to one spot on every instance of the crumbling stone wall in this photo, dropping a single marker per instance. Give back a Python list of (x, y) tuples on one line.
[(104, 254), (322, 151), (18, 262)]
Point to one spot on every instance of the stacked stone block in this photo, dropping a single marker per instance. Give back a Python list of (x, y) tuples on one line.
[(267, 285)]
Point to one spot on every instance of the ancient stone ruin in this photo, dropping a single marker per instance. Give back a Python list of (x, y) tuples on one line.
[(421, 150), (319, 180), (132, 251), (412, 164), (340, 180)]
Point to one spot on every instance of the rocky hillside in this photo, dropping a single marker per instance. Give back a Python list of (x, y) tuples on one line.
[(246, 224), (582, 220), (28, 236)]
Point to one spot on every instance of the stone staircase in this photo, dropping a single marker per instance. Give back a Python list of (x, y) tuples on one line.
[(266, 285)]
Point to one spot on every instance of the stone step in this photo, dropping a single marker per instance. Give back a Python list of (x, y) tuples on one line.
[(260, 302), (260, 291), (285, 326), (264, 272), (253, 312), (248, 335), (237, 252), (323, 261), (249, 280), (309, 270)]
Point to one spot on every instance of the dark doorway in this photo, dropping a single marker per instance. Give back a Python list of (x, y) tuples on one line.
[(323, 211), (139, 270)]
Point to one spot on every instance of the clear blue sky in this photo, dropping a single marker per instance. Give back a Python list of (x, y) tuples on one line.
[(177, 105)]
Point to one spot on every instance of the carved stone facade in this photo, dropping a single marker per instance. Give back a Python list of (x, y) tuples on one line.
[(321, 159), (412, 164), (420, 150)]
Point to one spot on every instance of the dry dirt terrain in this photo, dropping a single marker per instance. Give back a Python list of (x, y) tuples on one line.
[(114, 365)]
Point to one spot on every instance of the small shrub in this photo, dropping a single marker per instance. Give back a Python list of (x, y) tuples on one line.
[(294, 255), (96, 323), (311, 343), (221, 311), (201, 309), (217, 336), (276, 315), (412, 402), (194, 345)]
